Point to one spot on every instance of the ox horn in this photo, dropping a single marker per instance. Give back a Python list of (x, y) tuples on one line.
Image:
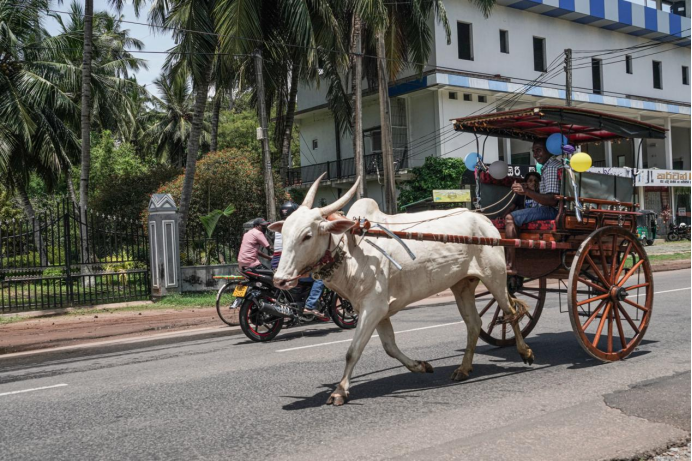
[(339, 204), (310, 196)]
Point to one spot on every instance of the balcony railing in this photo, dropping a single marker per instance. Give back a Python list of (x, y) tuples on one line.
[(342, 169)]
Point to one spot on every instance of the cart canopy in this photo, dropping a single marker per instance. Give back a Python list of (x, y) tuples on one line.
[(580, 126)]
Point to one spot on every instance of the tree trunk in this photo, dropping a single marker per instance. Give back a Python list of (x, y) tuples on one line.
[(86, 130), (216, 109), (356, 88), (70, 189), (288, 129), (28, 209), (202, 89), (385, 127), (266, 155)]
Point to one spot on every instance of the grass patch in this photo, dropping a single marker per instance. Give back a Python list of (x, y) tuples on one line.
[(12, 319), (670, 257)]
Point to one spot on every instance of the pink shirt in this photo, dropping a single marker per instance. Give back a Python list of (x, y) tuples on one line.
[(253, 240)]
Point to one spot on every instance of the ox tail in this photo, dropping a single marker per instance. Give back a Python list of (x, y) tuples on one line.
[(520, 310)]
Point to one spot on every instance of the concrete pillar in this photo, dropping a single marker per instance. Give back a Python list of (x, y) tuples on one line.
[(164, 247), (608, 151), (507, 145), (687, 8), (669, 145)]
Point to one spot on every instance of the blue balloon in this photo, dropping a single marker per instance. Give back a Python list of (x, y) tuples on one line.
[(555, 142), (471, 160)]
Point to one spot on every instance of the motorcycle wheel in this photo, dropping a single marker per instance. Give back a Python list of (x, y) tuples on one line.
[(253, 325), (341, 311), (673, 237)]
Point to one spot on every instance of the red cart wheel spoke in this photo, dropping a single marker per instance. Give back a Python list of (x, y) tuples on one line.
[(533, 295), (610, 279)]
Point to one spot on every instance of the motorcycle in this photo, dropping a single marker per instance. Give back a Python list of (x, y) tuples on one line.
[(676, 233), (265, 310)]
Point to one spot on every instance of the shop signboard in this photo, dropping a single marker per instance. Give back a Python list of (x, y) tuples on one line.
[(650, 177), (682, 211), (451, 196)]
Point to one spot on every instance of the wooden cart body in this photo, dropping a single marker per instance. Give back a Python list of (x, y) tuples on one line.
[(591, 248)]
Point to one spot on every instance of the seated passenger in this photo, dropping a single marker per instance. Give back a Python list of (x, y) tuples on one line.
[(520, 202), (547, 203)]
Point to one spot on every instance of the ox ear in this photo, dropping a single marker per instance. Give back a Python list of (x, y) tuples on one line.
[(338, 226), (276, 227)]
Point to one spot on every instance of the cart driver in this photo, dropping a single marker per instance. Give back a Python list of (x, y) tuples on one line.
[(545, 197)]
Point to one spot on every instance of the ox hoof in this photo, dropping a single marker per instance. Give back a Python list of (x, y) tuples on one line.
[(337, 399), (460, 374), (528, 358), (422, 367)]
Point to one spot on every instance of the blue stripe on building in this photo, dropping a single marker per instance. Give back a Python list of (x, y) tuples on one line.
[(597, 13)]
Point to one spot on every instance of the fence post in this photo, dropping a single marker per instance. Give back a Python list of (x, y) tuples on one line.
[(164, 245)]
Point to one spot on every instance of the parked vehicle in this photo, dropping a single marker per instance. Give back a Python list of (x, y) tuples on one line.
[(646, 227), (676, 233), (264, 309)]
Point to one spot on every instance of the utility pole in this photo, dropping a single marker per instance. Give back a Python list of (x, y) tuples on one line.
[(385, 127), (568, 77), (357, 89), (262, 133)]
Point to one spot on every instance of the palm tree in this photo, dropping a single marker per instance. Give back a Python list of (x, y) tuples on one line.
[(36, 113), (288, 34), (170, 120)]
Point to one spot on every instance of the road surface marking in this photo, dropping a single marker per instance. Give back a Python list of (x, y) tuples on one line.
[(373, 336), (34, 389)]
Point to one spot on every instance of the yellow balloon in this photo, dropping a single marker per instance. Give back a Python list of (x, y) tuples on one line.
[(580, 162)]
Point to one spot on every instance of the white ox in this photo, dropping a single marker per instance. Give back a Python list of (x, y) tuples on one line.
[(379, 290)]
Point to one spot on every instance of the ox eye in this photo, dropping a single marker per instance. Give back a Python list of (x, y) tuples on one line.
[(307, 237)]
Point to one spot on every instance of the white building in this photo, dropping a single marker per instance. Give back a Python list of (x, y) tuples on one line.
[(488, 65)]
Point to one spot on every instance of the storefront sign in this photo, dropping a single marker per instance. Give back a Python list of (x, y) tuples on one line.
[(650, 177), (672, 178), (451, 196), (682, 211)]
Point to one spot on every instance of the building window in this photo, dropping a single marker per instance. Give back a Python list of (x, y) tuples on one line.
[(453, 95), (504, 41), (628, 64), (658, 75), (539, 54), (685, 75), (678, 164), (621, 161), (468, 97), (314, 144), (465, 40), (482, 98), (597, 75)]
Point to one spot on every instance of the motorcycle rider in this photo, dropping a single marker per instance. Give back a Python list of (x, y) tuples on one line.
[(253, 241), (317, 285)]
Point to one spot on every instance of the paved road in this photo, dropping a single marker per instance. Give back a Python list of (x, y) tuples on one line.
[(227, 398)]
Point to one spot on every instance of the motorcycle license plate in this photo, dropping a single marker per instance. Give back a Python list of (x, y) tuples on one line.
[(240, 291)]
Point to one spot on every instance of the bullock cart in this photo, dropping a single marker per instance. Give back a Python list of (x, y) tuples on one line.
[(589, 254)]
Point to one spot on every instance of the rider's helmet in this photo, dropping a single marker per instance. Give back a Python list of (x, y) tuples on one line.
[(287, 208)]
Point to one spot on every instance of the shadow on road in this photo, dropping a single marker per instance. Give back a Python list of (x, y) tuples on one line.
[(551, 349)]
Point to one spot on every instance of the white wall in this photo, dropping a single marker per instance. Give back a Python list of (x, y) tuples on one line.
[(559, 34)]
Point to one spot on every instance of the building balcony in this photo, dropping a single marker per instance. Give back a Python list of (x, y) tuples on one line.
[(342, 169)]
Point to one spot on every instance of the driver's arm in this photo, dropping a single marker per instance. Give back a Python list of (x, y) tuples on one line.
[(543, 199)]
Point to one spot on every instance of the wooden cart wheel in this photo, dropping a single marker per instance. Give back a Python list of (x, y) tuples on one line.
[(611, 294), (493, 330)]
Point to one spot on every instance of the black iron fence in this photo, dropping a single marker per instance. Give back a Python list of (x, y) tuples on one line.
[(62, 259), (197, 249), (343, 169)]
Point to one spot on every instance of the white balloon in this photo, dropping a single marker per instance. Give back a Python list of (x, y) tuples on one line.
[(498, 170)]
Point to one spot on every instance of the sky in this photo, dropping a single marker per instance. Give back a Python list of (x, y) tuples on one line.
[(153, 40), (158, 40)]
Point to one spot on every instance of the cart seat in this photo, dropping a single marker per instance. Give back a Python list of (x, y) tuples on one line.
[(546, 225)]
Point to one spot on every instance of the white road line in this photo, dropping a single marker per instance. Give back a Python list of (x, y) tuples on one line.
[(670, 291), (32, 390), (373, 336)]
